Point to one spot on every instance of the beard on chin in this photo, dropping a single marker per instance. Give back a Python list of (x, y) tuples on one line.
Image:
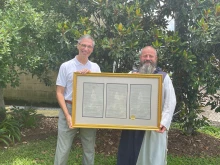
[(147, 68)]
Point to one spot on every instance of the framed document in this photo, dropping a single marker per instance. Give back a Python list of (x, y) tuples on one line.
[(117, 101)]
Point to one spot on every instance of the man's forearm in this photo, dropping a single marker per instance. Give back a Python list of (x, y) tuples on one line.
[(62, 103)]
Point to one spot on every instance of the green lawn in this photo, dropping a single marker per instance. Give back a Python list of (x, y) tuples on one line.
[(42, 153)]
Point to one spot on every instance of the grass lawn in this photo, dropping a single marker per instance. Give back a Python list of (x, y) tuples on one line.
[(42, 153)]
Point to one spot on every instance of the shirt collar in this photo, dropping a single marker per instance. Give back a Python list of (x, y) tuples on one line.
[(79, 63)]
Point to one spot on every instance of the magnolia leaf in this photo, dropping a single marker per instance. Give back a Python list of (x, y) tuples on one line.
[(120, 27), (217, 109)]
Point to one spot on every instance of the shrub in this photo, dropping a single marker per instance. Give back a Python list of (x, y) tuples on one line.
[(27, 117), (9, 131), (12, 122)]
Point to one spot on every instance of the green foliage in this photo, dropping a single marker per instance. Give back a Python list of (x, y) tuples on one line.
[(205, 42), (9, 131), (207, 129), (195, 59), (120, 30), (211, 130), (4, 138), (14, 120), (174, 160), (26, 117), (29, 42)]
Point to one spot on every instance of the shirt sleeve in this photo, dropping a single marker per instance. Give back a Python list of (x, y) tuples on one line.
[(98, 70), (61, 78), (169, 102)]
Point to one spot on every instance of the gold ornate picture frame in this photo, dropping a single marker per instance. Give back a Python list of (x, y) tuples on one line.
[(117, 101)]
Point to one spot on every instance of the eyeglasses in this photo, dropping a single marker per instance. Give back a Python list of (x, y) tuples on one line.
[(84, 46)]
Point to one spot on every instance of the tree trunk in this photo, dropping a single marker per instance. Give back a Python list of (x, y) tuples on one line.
[(2, 103)]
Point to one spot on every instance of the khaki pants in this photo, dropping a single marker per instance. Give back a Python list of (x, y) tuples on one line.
[(65, 139)]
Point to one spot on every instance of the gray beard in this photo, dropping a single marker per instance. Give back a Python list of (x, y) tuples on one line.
[(146, 68)]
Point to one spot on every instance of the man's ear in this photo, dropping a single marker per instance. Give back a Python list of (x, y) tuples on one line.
[(77, 46)]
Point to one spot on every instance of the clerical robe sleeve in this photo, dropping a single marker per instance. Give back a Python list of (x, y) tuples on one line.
[(169, 102)]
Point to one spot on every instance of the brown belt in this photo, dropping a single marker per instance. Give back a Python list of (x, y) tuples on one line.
[(68, 101)]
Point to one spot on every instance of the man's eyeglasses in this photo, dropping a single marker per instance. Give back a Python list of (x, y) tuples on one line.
[(84, 46)]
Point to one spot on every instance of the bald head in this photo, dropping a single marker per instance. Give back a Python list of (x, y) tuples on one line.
[(149, 49), (148, 59)]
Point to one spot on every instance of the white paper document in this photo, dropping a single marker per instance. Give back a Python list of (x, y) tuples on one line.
[(116, 100), (140, 101), (93, 100)]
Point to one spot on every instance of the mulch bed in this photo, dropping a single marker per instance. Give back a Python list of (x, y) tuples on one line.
[(107, 140)]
